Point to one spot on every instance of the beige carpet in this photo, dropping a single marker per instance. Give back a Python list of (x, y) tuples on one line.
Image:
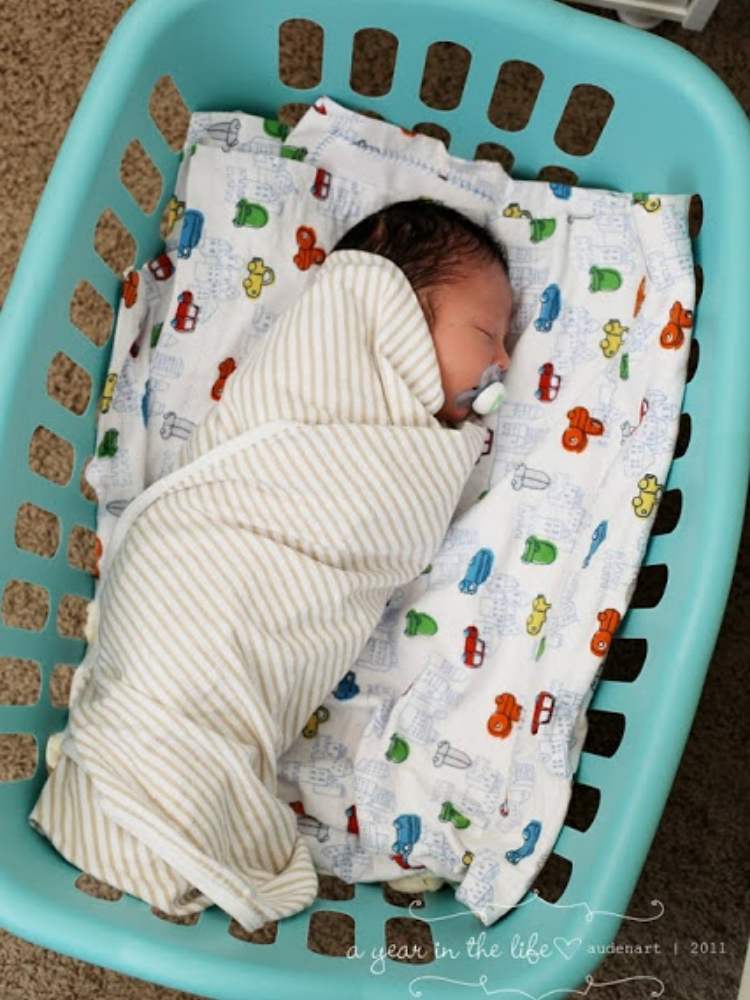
[(698, 865)]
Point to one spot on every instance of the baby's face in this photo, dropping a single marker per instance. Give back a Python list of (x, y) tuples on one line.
[(469, 321)]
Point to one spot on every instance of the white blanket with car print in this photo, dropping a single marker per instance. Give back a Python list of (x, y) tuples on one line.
[(450, 744)]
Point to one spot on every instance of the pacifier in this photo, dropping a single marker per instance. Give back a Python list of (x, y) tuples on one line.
[(487, 397)]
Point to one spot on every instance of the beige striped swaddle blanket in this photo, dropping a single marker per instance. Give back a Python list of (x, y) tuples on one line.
[(244, 586)]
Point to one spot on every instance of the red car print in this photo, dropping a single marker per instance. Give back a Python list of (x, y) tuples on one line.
[(549, 383), (473, 647), (308, 254), (543, 706), (403, 863), (508, 711), (601, 640), (321, 187), (352, 826), (161, 267), (673, 334), (186, 314)]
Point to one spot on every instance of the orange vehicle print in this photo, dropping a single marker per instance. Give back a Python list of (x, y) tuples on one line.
[(673, 334), (576, 437), (640, 296), (226, 367), (601, 640), (308, 253), (507, 712), (130, 289)]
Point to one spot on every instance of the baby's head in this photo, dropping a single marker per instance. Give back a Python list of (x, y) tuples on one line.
[(459, 274)]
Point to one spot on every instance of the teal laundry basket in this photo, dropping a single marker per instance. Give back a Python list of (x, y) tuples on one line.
[(673, 127)]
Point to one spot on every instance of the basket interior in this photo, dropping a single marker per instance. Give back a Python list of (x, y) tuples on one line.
[(490, 87)]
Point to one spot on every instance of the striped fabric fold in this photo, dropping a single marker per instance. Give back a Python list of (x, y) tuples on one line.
[(242, 588)]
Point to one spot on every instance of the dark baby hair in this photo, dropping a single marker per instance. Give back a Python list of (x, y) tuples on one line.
[(430, 242)]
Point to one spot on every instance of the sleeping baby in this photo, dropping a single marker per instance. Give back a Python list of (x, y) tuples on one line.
[(243, 585)]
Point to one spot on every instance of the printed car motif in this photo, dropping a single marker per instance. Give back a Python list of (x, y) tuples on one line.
[(650, 491), (612, 343), (352, 823), (226, 367), (604, 279), (449, 814), (647, 201), (172, 214), (600, 533), (673, 334), (539, 551), (640, 296), (542, 229), (319, 716), (130, 289), (543, 708), (186, 314), (408, 831), (560, 190), (258, 277), (419, 623), (507, 712), (550, 299), (161, 267), (108, 445), (576, 437), (479, 569), (191, 232), (538, 616), (474, 647), (108, 392), (530, 834), (549, 383), (309, 824), (308, 254), (601, 640), (347, 687), (321, 186), (249, 213), (398, 749)]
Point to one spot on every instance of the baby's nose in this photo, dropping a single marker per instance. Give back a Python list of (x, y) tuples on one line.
[(502, 358)]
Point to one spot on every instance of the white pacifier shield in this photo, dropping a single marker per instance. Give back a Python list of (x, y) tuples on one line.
[(489, 399)]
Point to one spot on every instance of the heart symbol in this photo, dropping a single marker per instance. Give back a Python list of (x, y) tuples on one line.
[(567, 948)]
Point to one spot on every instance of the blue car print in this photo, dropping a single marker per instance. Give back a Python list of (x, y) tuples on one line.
[(191, 232), (560, 190), (347, 687), (530, 835), (600, 533), (550, 299), (479, 569), (408, 830)]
